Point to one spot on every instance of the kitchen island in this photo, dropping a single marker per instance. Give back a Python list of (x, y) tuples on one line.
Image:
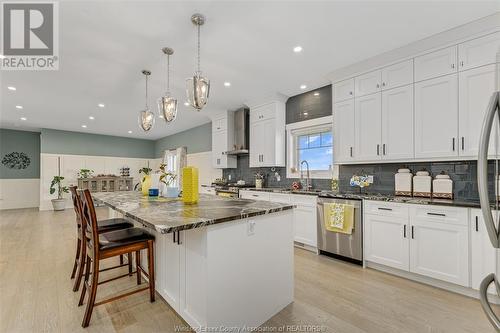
[(222, 264)]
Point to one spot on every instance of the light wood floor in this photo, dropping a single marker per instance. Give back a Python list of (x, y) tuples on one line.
[(37, 249)]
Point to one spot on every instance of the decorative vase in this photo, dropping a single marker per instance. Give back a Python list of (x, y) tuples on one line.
[(170, 192), (146, 184), (190, 185), (58, 204), (258, 183)]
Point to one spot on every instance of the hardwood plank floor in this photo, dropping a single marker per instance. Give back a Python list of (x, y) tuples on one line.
[(37, 249)]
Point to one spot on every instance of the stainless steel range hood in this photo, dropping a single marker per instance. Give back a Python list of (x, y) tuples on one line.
[(241, 132)]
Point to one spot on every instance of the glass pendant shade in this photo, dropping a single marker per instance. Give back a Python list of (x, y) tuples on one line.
[(146, 120), (167, 106), (197, 89)]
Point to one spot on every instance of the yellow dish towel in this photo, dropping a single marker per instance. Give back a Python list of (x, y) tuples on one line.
[(339, 217)]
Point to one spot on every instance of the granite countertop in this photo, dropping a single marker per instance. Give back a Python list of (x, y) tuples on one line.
[(167, 215)]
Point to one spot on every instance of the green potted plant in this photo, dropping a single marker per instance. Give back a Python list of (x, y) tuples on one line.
[(85, 173), (146, 179), (56, 185), (167, 178)]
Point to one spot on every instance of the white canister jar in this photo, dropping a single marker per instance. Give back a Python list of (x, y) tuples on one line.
[(422, 183), (442, 187), (403, 181)]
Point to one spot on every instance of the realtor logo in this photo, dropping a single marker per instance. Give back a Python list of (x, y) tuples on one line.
[(29, 36)]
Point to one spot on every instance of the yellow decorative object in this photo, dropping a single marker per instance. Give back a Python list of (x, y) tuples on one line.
[(339, 217), (190, 185), (146, 184)]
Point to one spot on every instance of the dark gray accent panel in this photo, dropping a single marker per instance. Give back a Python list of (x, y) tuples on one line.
[(307, 106)]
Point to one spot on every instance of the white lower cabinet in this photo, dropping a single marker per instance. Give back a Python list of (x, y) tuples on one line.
[(483, 254), (168, 254)]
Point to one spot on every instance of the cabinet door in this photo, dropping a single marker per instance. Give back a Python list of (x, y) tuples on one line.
[(483, 254), (479, 51), (219, 145), (343, 90), (266, 111), (304, 221), (397, 75), (440, 250), (256, 140), (343, 131), (476, 87), (268, 142), (397, 123), (168, 269), (386, 241), (436, 117), (438, 63), (368, 117), (368, 83)]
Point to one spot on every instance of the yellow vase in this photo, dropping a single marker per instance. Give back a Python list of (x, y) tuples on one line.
[(190, 185), (146, 184)]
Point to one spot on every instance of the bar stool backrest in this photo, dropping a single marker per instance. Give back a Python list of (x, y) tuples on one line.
[(77, 205), (90, 221)]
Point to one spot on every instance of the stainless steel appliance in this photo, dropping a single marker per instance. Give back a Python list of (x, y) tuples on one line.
[(230, 190), (241, 132), (491, 219), (339, 245)]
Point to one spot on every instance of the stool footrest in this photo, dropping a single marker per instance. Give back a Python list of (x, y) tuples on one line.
[(115, 278), (120, 296)]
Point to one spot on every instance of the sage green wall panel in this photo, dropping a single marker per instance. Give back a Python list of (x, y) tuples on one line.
[(28, 143), (197, 139)]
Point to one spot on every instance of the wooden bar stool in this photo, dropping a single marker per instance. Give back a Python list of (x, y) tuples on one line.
[(107, 245), (81, 248)]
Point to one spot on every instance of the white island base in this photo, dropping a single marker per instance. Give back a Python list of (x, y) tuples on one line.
[(230, 276)]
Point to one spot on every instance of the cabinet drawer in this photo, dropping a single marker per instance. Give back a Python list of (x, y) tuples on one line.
[(254, 195), (478, 52), (263, 112), (397, 75), (304, 200), (386, 209), (279, 197), (343, 90), (368, 83), (440, 214), (435, 64)]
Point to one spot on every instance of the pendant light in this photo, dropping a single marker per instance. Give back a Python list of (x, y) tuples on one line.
[(167, 105), (198, 87), (146, 117)]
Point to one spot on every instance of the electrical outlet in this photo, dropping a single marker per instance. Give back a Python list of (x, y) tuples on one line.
[(370, 179), (229, 177), (250, 227)]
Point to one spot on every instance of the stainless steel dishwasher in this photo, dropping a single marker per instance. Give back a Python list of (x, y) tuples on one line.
[(339, 245)]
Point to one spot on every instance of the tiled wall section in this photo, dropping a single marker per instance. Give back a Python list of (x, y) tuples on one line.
[(463, 174), (244, 172)]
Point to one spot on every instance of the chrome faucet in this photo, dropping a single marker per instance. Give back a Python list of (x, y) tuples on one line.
[(308, 180)]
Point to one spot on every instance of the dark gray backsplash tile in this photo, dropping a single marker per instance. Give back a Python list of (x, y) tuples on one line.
[(309, 106)]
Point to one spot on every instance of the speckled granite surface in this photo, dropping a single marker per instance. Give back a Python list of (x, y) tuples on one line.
[(169, 215)]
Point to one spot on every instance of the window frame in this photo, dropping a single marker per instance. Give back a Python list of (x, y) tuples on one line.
[(307, 127)]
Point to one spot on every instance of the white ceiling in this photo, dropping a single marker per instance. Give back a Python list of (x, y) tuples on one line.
[(104, 45)]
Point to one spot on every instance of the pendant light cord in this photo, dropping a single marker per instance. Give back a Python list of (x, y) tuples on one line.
[(147, 92), (168, 73), (198, 48)]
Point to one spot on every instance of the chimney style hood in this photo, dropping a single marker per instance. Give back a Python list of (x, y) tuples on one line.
[(241, 132)]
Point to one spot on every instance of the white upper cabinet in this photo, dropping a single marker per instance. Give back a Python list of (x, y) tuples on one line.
[(475, 89), (343, 90), (397, 123), (368, 119), (435, 64), (368, 83), (222, 140), (436, 117), (267, 135), (397, 75), (343, 131), (479, 51)]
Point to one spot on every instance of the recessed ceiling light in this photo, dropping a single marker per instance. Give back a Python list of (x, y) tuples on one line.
[(186, 103), (84, 126), (316, 94), (297, 49), (12, 88), (129, 132), (303, 86), (19, 107), (100, 105), (227, 84), (91, 118), (23, 118)]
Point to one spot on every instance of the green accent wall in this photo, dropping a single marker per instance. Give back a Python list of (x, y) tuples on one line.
[(74, 143), (197, 140), (21, 142)]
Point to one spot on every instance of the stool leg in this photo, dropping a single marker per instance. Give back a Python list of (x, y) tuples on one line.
[(129, 263), (81, 266), (77, 257), (92, 293), (84, 289), (151, 271), (137, 265), (121, 259)]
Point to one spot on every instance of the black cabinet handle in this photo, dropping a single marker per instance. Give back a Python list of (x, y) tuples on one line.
[(383, 208), (453, 144), (383, 149), (412, 233), (175, 241), (404, 231), (178, 237), (436, 214), (463, 143), (351, 151), (477, 224), (378, 149)]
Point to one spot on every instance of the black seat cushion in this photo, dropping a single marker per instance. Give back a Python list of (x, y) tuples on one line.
[(113, 224), (119, 238)]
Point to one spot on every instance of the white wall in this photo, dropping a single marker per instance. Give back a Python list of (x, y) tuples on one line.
[(203, 161), (19, 193)]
